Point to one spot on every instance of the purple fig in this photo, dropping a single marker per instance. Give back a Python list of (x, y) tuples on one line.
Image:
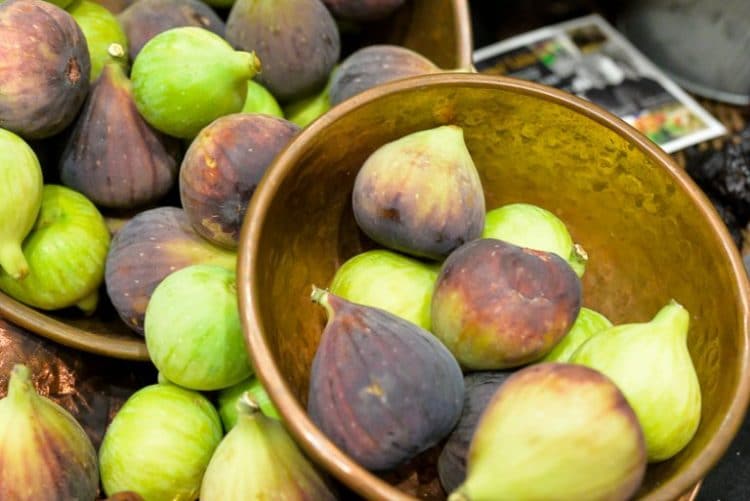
[(113, 156), (145, 19), (480, 387), (223, 166), (381, 388), (145, 250), (497, 305), (297, 40), (375, 65), (362, 10), (44, 68)]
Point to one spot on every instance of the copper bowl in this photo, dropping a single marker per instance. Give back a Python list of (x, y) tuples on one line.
[(439, 29), (650, 233)]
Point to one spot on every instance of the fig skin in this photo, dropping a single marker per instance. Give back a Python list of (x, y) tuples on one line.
[(113, 156), (44, 68), (497, 305), (222, 168), (381, 388), (105, 37), (480, 388), (362, 10), (145, 250), (375, 65), (145, 19), (297, 41), (420, 194), (259, 100)]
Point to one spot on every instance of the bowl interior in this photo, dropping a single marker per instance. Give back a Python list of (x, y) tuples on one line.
[(650, 234), (439, 29)]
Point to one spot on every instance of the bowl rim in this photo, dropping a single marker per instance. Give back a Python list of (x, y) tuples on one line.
[(308, 436), (71, 336)]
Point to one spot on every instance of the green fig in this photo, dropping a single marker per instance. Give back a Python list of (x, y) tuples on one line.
[(45, 454), (105, 37), (259, 100), (420, 194), (555, 431), (387, 280), (66, 251), (229, 397), (185, 78), (535, 228), (258, 459), (651, 364), (20, 199), (159, 444), (587, 324), (304, 111), (193, 331)]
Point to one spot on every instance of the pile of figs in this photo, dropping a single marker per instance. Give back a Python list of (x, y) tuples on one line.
[(133, 135), (464, 333)]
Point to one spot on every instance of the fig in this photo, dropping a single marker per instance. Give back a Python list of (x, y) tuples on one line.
[(362, 10), (651, 364), (20, 198), (390, 281), (587, 324), (192, 329), (144, 19), (105, 37), (420, 194), (480, 387), (555, 431), (497, 305), (185, 78), (159, 444), (297, 40), (45, 454), (375, 65), (302, 112), (222, 168), (381, 388), (528, 225), (258, 459), (150, 246), (113, 156), (259, 100), (66, 252), (44, 68), (228, 399)]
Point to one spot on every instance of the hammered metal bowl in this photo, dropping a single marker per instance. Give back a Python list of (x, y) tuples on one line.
[(439, 29), (650, 233)]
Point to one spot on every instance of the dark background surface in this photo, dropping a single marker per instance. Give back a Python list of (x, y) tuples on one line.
[(494, 20)]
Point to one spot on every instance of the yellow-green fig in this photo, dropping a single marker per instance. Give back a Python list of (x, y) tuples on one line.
[(534, 227), (45, 455), (651, 364), (259, 100), (587, 324), (558, 432), (20, 199), (228, 398), (258, 459), (390, 281), (105, 37)]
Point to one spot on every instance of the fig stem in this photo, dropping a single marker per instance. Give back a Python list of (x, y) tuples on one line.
[(19, 386), (247, 405), (250, 63), (13, 261), (320, 296)]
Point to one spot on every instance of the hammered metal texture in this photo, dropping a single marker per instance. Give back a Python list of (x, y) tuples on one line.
[(650, 234)]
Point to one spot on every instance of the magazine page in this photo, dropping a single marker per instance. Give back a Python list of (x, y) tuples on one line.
[(591, 59)]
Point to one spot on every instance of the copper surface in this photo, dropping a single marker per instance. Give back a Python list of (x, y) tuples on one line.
[(650, 232)]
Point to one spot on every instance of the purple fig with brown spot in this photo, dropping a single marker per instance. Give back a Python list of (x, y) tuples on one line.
[(44, 68), (150, 246), (45, 455), (222, 168), (113, 156), (362, 10), (145, 19), (497, 305), (381, 388), (421, 194)]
